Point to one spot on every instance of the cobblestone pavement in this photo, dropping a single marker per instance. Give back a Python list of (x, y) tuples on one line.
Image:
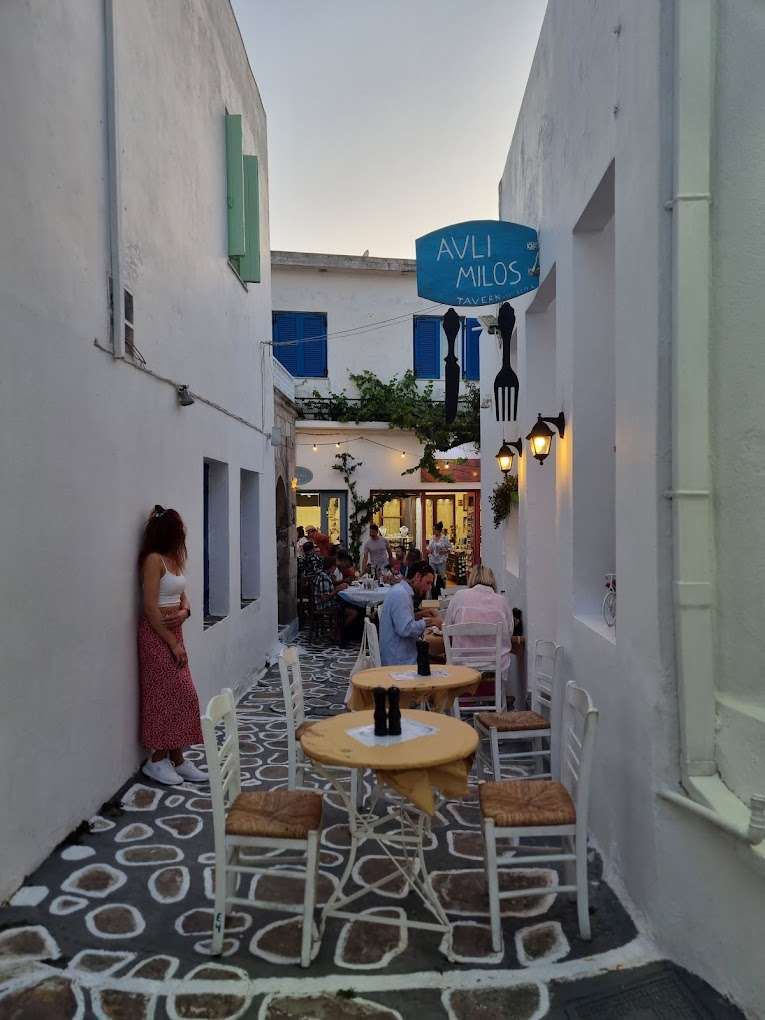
[(115, 924)]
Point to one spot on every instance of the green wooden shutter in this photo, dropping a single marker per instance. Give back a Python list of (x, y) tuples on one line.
[(235, 185), (249, 263)]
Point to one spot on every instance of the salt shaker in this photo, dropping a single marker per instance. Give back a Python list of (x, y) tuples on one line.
[(394, 712), (381, 718)]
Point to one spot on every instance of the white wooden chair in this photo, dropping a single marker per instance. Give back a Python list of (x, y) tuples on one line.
[(368, 657), (373, 643), (530, 808), (269, 820), (297, 724), (535, 726), (482, 651)]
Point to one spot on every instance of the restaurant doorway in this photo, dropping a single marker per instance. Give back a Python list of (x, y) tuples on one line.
[(326, 511), (460, 514), (408, 519)]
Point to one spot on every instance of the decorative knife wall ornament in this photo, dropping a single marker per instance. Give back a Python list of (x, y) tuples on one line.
[(506, 384), (452, 325)]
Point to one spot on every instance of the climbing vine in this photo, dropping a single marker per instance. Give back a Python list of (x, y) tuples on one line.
[(361, 510), (405, 406), (502, 498)]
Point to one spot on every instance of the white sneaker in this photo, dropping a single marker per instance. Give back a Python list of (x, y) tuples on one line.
[(161, 771), (187, 770)]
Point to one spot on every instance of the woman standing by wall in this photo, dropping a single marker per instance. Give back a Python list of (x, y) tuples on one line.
[(169, 703), (438, 554)]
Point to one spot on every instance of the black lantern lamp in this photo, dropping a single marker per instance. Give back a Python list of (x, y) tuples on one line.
[(541, 435), (505, 455)]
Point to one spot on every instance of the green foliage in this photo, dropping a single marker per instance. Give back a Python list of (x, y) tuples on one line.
[(504, 495), (405, 406), (362, 510)]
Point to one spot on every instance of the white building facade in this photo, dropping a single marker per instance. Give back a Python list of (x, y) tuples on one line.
[(119, 127), (638, 156), (336, 316)]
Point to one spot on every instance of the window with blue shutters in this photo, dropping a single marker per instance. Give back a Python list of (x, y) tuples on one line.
[(471, 331), (427, 347), (304, 335)]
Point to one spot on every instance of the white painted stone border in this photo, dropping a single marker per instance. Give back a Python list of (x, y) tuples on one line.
[(403, 940)]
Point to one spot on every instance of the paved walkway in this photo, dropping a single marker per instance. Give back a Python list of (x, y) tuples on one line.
[(116, 924)]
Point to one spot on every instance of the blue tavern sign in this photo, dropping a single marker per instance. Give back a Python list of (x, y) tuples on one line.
[(480, 262)]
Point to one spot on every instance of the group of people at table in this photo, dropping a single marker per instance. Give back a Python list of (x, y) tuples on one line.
[(402, 619)]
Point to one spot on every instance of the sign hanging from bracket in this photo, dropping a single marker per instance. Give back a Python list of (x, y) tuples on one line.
[(479, 262)]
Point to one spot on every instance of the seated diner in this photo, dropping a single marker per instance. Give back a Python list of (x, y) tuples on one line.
[(399, 630)]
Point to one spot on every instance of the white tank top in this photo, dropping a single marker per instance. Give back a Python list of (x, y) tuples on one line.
[(171, 587)]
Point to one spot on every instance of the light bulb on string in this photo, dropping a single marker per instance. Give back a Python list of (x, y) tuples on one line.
[(337, 446), (315, 447), (403, 453)]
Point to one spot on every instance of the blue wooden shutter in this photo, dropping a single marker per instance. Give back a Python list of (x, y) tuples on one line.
[(314, 351), (427, 347), (285, 328), (470, 349)]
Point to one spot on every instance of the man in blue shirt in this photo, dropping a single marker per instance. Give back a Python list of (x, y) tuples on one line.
[(399, 630)]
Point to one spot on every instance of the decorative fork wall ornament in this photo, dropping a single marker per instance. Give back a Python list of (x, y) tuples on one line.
[(506, 384)]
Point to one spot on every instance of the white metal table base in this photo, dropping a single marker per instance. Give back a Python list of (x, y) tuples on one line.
[(408, 861)]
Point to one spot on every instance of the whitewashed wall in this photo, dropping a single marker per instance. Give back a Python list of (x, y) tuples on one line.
[(599, 91), (88, 445), (738, 370)]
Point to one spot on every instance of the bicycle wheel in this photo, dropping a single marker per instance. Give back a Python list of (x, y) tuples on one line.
[(609, 608)]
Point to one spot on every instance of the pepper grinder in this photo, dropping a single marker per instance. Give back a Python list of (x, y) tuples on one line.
[(394, 712), (423, 658), (381, 718)]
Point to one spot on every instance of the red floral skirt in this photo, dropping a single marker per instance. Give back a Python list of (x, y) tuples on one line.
[(169, 702)]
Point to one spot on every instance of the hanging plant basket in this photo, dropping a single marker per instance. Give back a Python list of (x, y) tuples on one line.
[(504, 495)]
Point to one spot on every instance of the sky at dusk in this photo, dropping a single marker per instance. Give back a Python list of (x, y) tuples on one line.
[(386, 119)]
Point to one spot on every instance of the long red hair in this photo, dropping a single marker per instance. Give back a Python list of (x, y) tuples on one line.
[(165, 533)]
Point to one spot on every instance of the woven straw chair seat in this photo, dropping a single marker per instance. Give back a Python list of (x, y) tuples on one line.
[(275, 814), (305, 725), (509, 722), (523, 802)]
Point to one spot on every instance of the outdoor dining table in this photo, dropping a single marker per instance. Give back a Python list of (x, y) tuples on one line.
[(444, 684), (363, 597), (434, 753)]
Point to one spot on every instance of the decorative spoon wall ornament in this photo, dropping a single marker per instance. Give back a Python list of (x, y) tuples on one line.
[(506, 384), (452, 326)]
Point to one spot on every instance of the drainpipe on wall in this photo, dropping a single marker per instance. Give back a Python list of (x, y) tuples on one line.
[(114, 197), (693, 535)]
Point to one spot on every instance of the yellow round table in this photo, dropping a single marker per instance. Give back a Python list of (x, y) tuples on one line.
[(439, 690), (414, 768)]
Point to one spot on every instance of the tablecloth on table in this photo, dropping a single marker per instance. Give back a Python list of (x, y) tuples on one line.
[(441, 761), (413, 693), (364, 597)]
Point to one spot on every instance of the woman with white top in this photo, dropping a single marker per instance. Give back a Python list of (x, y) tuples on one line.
[(169, 702)]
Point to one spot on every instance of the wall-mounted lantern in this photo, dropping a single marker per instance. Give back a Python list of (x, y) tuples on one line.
[(505, 455), (541, 435)]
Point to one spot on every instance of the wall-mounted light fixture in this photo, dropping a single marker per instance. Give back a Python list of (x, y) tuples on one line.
[(541, 435), (185, 399), (294, 484), (505, 455)]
